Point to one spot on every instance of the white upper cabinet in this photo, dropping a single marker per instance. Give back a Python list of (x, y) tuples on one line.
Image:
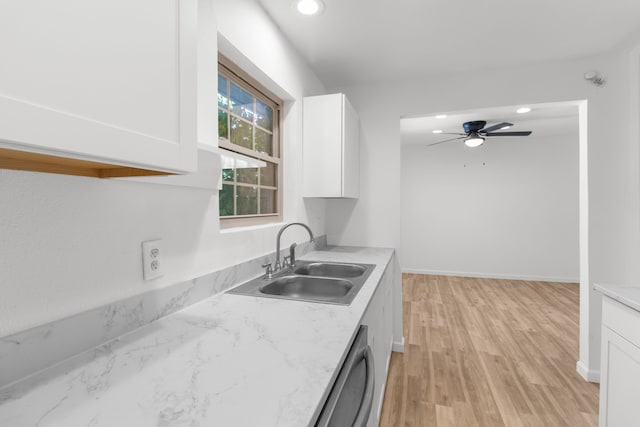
[(331, 147), (102, 81)]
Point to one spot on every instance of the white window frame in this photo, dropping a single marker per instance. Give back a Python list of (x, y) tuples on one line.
[(234, 74)]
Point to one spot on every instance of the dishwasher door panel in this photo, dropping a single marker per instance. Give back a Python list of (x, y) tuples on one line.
[(350, 400)]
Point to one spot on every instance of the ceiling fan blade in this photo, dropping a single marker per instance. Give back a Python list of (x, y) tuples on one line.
[(451, 133), (446, 140), (495, 127), (521, 133)]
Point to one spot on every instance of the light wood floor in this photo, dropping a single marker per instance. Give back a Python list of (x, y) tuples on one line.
[(485, 352)]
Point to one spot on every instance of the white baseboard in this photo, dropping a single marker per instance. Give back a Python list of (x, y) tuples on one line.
[(492, 275), (592, 376), (398, 347)]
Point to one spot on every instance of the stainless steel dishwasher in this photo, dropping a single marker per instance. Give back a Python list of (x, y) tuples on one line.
[(350, 400)]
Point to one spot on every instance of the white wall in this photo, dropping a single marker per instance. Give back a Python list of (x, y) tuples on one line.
[(613, 227), (68, 244), (505, 209)]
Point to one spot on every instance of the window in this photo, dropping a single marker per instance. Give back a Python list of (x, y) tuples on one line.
[(248, 124)]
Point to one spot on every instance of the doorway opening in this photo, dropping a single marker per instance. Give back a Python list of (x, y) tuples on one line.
[(512, 208)]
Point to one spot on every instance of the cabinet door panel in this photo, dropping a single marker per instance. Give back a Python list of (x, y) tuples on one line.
[(322, 136), (377, 319), (351, 152), (109, 80), (331, 147), (620, 385)]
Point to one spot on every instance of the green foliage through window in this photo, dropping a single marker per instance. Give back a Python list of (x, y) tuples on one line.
[(247, 121)]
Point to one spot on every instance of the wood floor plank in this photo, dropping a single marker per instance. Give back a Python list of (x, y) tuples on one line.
[(485, 352), (445, 416)]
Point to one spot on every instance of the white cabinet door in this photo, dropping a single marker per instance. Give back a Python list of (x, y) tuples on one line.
[(378, 320), (620, 365), (331, 147), (102, 80), (350, 151), (619, 381)]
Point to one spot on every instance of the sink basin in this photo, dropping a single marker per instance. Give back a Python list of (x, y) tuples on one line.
[(326, 269), (310, 281), (304, 287)]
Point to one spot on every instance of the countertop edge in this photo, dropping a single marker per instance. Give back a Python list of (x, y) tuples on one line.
[(627, 295)]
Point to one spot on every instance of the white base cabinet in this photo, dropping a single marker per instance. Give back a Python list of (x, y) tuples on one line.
[(331, 147), (379, 319), (104, 81), (620, 365)]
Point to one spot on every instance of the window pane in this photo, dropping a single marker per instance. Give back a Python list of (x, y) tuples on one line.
[(223, 127), (227, 174), (264, 115), (247, 175), (264, 142), (247, 200), (267, 201), (241, 102), (223, 96), (268, 175), (246, 121), (226, 200), (241, 133)]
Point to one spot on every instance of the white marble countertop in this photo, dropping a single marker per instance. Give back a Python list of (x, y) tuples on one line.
[(627, 295), (230, 360)]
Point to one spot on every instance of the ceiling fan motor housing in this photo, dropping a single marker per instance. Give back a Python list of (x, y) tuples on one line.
[(473, 127)]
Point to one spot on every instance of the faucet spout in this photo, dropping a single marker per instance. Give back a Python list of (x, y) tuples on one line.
[(277, 265)]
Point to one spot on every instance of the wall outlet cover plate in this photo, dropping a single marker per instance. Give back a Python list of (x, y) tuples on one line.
[(152, 259)]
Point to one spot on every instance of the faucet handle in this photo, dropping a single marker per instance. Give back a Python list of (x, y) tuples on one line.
[(286, 262), (292, 255), (268, 274)]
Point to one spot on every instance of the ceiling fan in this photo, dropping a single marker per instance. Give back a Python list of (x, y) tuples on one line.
[(475, 133)]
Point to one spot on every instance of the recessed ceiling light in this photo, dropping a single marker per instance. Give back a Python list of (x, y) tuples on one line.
[(523, 110), (437, 131), (309, 7), (441, 116)]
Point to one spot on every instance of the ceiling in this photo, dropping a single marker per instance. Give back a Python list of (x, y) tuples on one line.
[(544, 120), (361, 41)]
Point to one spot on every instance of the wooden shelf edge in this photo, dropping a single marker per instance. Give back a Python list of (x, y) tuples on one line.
[(36, 162)]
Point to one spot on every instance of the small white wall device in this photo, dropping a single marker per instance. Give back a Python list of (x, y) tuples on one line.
[(595, 78), (152, 259)]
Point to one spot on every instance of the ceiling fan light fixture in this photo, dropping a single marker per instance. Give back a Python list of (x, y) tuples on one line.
[(475, 133), (309, 7), (474, 141)]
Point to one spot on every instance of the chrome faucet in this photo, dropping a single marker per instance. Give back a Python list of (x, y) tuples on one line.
[(292, 252)]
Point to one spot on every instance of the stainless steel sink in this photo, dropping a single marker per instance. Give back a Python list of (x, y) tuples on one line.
[(329, 269), (306, 287), (311, 281)]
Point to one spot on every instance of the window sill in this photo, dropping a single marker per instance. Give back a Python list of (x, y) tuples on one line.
[(251, 222), (234, 225)]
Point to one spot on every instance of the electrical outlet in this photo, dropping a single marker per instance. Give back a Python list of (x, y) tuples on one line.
[(152, 263)]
